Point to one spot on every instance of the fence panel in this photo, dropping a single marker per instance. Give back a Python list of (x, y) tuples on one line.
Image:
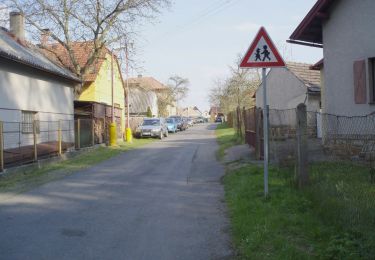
[(26, 142)]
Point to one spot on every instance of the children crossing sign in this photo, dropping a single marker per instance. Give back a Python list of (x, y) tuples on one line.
[(262, 53)]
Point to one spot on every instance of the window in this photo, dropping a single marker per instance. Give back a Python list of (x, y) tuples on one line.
[(28, 117), (371, 66)]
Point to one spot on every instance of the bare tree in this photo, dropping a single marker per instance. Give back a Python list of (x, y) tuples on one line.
[(3, 15), (236, 90), (103, 23), (179, 87)]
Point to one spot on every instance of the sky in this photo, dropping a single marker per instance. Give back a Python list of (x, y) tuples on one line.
[(198, 40)]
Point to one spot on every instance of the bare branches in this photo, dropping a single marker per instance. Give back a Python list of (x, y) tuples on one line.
[(105, 23), (236, 90)]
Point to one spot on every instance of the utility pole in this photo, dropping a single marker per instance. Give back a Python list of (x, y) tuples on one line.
[(112, 126), (128, 131)]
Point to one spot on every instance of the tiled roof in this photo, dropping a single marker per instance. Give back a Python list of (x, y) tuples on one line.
[(81, 52), (311, 78), (30, 55), (148, 83)]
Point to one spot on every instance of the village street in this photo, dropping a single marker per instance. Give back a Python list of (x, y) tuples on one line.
[(162, 201)]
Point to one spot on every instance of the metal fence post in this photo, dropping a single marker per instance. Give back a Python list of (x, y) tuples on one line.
[(35, 142), (302, 153), (92, 132), (78, 133), (59, 138), (1, 146), (258, 134)]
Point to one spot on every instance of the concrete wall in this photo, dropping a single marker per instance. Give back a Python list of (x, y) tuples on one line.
[(23, 88), (285, 91), (348, 36)]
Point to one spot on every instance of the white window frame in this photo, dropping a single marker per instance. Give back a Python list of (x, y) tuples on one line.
[(28, 118)]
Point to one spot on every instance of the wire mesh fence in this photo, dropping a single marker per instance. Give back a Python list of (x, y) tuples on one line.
[(22, 143), (328, 137)]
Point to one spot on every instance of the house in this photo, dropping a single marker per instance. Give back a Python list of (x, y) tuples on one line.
[(287, 87), (103, 81), (191, 112), (345, 31), (33, 89), (140, 100), (147, 85), (215, 112)]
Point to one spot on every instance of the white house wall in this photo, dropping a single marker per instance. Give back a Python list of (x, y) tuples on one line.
[(284, 90), (348, 36), (22, 88)]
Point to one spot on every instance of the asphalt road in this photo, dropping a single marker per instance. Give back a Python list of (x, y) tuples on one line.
[(162, 201)]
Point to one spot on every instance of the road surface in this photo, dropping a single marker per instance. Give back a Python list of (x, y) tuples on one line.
[(162, 201)]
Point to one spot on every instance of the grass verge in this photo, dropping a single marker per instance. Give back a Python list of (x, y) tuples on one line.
[(226, 138), (331, 219), (20, 181)]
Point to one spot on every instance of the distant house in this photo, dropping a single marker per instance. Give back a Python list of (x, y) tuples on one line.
[(145, 86), (97, 84), (191, 112), (215, 112), (32, 89), (345, 31), (290, 86)]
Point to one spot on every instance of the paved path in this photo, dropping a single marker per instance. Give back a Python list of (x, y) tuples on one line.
[(163, 201)]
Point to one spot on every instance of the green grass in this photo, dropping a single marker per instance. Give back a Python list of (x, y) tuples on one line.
[(21, 181), (334, 218), (226, 138)]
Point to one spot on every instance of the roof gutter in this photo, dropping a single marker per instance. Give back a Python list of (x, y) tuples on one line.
[(316, 45)]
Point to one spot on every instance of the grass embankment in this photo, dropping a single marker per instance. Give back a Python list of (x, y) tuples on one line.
[(226, 137), (20, 181), (333, 218)]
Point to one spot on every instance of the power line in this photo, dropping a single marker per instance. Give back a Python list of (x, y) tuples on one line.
[(214, 8)]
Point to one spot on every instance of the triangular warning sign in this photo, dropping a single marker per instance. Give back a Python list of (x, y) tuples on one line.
[(262, 53)]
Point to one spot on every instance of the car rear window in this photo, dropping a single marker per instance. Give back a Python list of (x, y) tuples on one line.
[(151, 122)]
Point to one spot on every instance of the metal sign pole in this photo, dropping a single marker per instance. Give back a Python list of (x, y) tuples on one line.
[(265, 131)]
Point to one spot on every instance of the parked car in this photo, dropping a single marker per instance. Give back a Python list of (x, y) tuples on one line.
[(181, 124), (219, 119), (190, 122), (171, 125), (153, 127)]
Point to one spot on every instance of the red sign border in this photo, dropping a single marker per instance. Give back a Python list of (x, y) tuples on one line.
[(245, 61)]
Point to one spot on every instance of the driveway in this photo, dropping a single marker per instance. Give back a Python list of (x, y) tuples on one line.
[(162, 201)]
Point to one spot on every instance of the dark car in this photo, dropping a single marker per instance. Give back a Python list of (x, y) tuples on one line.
[(181, 123), (219, 119)]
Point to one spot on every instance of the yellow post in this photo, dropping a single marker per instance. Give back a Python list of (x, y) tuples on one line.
[(1, 148), (129, 135), (112, 135), (59, 139)]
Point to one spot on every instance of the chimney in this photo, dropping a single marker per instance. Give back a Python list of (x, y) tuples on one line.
[(44, 36), (139, 75), (17, 24)]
